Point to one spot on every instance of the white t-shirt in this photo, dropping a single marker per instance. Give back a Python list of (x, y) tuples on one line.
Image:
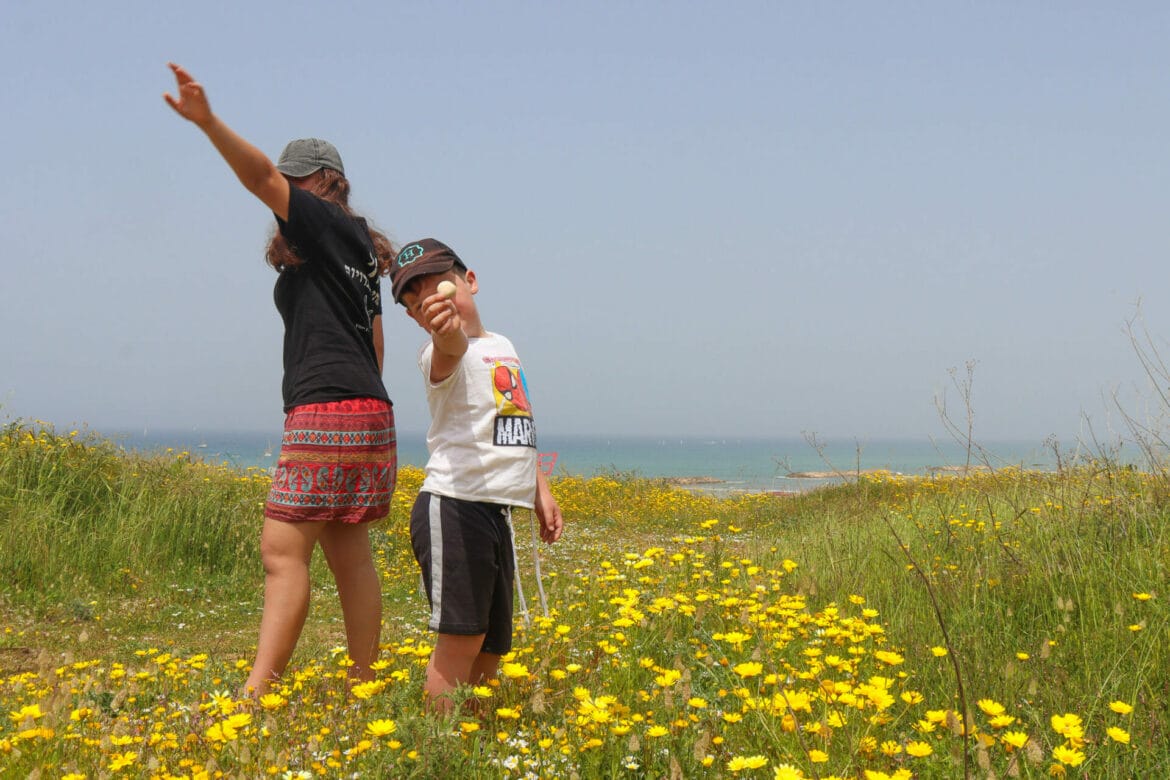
[(482, 441)]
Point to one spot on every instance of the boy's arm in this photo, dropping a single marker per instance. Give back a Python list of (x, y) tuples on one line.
[(253, 168), (449, 350), (547, 510), (440, 318)]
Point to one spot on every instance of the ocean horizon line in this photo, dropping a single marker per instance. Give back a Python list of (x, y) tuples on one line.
[(739, 463), (800, 438)]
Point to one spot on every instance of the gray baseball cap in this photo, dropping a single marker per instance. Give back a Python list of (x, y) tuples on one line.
[(309, 155)]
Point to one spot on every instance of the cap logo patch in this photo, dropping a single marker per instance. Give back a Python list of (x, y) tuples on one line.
[(409, 254)]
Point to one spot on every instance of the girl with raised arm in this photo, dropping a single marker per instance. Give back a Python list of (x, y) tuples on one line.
[(338, 458)]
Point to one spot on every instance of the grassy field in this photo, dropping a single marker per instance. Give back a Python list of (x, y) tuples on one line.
[(1007, 624)]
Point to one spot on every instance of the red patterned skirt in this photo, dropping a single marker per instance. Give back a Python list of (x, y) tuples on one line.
[(338, 463)]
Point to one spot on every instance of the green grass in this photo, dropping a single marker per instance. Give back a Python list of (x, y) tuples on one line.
[(883, 615)]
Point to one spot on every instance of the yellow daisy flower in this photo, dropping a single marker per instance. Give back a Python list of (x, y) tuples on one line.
[(1068, 756), (740, 763), (991, 707), (382, 727), (119, 761), (272, 701)]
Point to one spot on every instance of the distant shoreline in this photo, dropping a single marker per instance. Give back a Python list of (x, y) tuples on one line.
[(805, 481), (744, 464)]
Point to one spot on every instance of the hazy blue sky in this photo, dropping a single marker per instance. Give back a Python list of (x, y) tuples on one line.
[(691, 218)]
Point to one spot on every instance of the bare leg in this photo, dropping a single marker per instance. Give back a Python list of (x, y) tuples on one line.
[(347, 549), (485, 667), (451, 665), (286, 549)]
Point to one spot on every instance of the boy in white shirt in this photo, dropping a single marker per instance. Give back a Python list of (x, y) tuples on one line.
[(483, 461)]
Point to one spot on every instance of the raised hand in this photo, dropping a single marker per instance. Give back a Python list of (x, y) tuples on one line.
[(251, 166), (441, 315), (192, 102)]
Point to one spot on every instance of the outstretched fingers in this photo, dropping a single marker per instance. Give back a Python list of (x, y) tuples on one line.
[(181, 77), (191, 102)]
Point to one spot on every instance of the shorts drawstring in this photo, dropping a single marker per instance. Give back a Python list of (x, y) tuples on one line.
[(516, 565), (536, 564)]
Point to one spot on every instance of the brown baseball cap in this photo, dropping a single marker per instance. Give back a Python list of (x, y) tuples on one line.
[(421, 258)]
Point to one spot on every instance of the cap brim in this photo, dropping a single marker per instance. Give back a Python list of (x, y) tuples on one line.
[(398, 286), (298, 169)]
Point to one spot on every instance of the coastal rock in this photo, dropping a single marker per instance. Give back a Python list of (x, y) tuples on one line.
[(843, 474), (692, 480)]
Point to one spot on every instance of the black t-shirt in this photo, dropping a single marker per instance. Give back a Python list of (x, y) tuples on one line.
[(328, 304)]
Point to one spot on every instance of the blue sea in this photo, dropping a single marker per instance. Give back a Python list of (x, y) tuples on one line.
[(727, 464)]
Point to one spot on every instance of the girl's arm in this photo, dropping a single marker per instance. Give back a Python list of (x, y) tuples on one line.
[(253, 168), (379, 340)]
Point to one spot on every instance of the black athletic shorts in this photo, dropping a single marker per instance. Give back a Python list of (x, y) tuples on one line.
[(464, 549)]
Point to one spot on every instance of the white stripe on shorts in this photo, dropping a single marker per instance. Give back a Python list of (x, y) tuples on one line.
[(435, 519)]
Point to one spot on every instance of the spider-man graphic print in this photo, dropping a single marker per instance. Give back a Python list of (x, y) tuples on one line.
[(514, 426)]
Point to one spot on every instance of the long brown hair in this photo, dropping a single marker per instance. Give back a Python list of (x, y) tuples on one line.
[(329, 185)]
